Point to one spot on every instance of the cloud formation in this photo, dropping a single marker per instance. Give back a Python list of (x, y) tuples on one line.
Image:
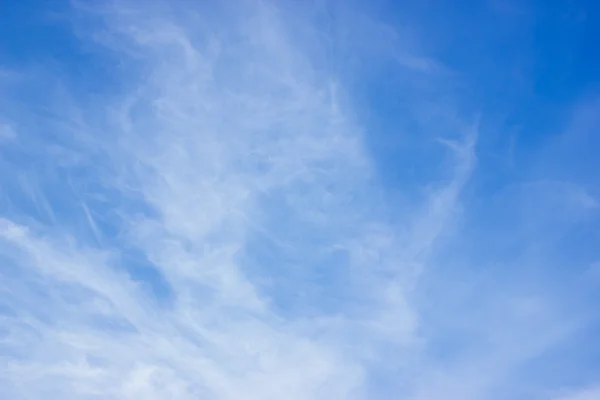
[(198, 205)]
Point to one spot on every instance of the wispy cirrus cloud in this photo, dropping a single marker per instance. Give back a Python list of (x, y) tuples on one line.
[(211, 221)]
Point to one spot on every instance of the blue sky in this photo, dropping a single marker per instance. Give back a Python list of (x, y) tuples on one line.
[(299, 200)]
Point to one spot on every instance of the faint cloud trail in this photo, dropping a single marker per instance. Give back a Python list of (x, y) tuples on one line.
[(229, 168)]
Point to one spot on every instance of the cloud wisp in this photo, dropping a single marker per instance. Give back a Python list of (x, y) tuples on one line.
[(214, 225)]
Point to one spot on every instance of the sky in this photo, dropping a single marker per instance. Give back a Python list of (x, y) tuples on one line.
[(303, 200)]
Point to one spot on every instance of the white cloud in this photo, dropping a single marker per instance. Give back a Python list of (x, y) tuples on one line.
[(229, 135), (216, 229)]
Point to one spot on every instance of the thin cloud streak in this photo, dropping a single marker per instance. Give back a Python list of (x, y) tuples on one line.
[(217, 138), (216, 228)]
